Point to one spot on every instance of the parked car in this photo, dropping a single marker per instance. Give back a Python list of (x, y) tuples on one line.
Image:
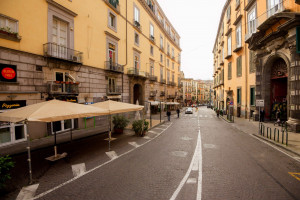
[(189, 110)]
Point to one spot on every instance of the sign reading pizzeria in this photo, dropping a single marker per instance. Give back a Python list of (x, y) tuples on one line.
[(8, 105), (8, 73)]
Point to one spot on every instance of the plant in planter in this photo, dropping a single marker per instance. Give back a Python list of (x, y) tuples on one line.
[(120, 122), (5, 165), (137, 126)]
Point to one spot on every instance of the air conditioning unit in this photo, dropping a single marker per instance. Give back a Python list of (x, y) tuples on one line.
[(75, 58)]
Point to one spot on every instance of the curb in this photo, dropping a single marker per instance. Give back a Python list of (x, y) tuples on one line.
[(275, 143), (226, 119), (162, 122)]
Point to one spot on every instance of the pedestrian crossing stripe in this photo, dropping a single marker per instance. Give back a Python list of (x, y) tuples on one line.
[(295, 175)]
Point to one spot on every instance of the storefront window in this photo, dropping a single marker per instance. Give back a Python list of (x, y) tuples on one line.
[(11, 132), (5, 135)]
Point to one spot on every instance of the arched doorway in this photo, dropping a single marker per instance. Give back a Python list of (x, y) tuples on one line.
[(137, 94), (278, 89)]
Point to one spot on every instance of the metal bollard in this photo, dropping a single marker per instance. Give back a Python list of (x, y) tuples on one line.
[(282, 135), (286, 137)]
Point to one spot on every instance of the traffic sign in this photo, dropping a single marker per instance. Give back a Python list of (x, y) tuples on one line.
[(260, 103)]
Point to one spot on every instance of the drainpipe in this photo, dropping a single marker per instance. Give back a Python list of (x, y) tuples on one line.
[(246, 66), (126, 58)]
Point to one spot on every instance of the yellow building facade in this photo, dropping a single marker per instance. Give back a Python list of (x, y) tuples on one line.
[(86, 52), (256, 58)]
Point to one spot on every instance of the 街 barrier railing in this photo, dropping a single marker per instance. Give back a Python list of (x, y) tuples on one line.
[(266, 131)]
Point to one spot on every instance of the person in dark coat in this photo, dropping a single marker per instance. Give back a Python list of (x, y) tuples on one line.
[(178, 112), (262, 115), (169, 115)]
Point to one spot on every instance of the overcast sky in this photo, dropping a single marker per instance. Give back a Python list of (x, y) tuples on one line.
[(196, 21)]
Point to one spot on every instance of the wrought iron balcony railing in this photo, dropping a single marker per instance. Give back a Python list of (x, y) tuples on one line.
[(114, 4), (111, 90), (59, 87), (62, 52), (113, 67), (152, 78), (163, 81), (136, 72), (152, 93)]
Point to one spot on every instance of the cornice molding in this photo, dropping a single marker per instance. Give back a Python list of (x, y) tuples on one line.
[(57, 5)]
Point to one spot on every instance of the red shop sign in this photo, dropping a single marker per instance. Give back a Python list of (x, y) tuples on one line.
[(8, 73)]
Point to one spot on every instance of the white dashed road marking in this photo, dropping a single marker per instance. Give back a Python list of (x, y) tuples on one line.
[(134, 144), (191, 181), (79, 169), (27, 192), (182, 154), (209, 146), (112, 155), (186, 138)]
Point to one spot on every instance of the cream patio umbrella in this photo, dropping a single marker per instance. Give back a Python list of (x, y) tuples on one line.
[(49, 111), (115, 107)]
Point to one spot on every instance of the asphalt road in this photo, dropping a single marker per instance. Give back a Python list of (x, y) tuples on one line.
[(197, 156)]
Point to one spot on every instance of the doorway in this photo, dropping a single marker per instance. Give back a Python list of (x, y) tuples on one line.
[(137, 94)]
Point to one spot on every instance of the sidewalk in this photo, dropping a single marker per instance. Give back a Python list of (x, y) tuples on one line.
[(252, 127)]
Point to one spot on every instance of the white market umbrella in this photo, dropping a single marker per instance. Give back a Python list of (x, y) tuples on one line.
[(49, 111)]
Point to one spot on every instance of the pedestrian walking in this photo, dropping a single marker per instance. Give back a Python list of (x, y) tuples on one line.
[(169, 114), (278, 113), (262, 115), (178, 112), (218, 112)]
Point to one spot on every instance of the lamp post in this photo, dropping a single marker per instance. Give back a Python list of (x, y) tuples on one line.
[(150, 116), (160, 112)]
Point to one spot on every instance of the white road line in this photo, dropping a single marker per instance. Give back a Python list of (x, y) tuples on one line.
[(134, 144), (274, 147), (91, 170), (159, 128), (197, 156), (112, 155), (78, 169), (152, 132), (27, 192), (147, 137)]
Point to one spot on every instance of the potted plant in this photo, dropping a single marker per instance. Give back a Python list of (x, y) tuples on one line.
[(137, 126), (120, 122)]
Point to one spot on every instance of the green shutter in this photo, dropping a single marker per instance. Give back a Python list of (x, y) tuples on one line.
[(298, 39)]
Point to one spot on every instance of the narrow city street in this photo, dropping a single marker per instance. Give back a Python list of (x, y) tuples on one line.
[(197, 156)]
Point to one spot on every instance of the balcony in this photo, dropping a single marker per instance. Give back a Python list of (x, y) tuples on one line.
[(152, 93), (115, 67), (152, 38), (60, 87), (136, 72), (114, 4), (248, 36), (163, 81), (137, 25), (53, 50), (173, 57), (237, 47), (264, 21), (171, 96), (152, 78), (228, 55), (162, 93), (172, 83), (110, 90)]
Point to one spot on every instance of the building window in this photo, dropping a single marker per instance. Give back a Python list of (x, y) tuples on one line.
[(229, 45), (9, 25), (229, 71), (239, 66), (112, 53), (239, 96), (59, 37), (161, 74), (172, 65), (274, 6), (173, 77), (251, 62), (112, 21), (252, 21), (151, 68), (151, 32), (161, 42), (136, 62), (12, 133), (151, 50), (136, 39), (228, 13), (168, 49), (136, 14), (239, 36), (111, 85), (168, 63), (237, 3), (173, 53), (161, 58), (168, 76), (252, 96)]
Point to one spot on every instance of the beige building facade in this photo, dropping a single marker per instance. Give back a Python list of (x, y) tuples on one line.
[(56, 49)]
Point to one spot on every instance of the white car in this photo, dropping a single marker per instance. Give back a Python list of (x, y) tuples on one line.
[(189, 110)]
